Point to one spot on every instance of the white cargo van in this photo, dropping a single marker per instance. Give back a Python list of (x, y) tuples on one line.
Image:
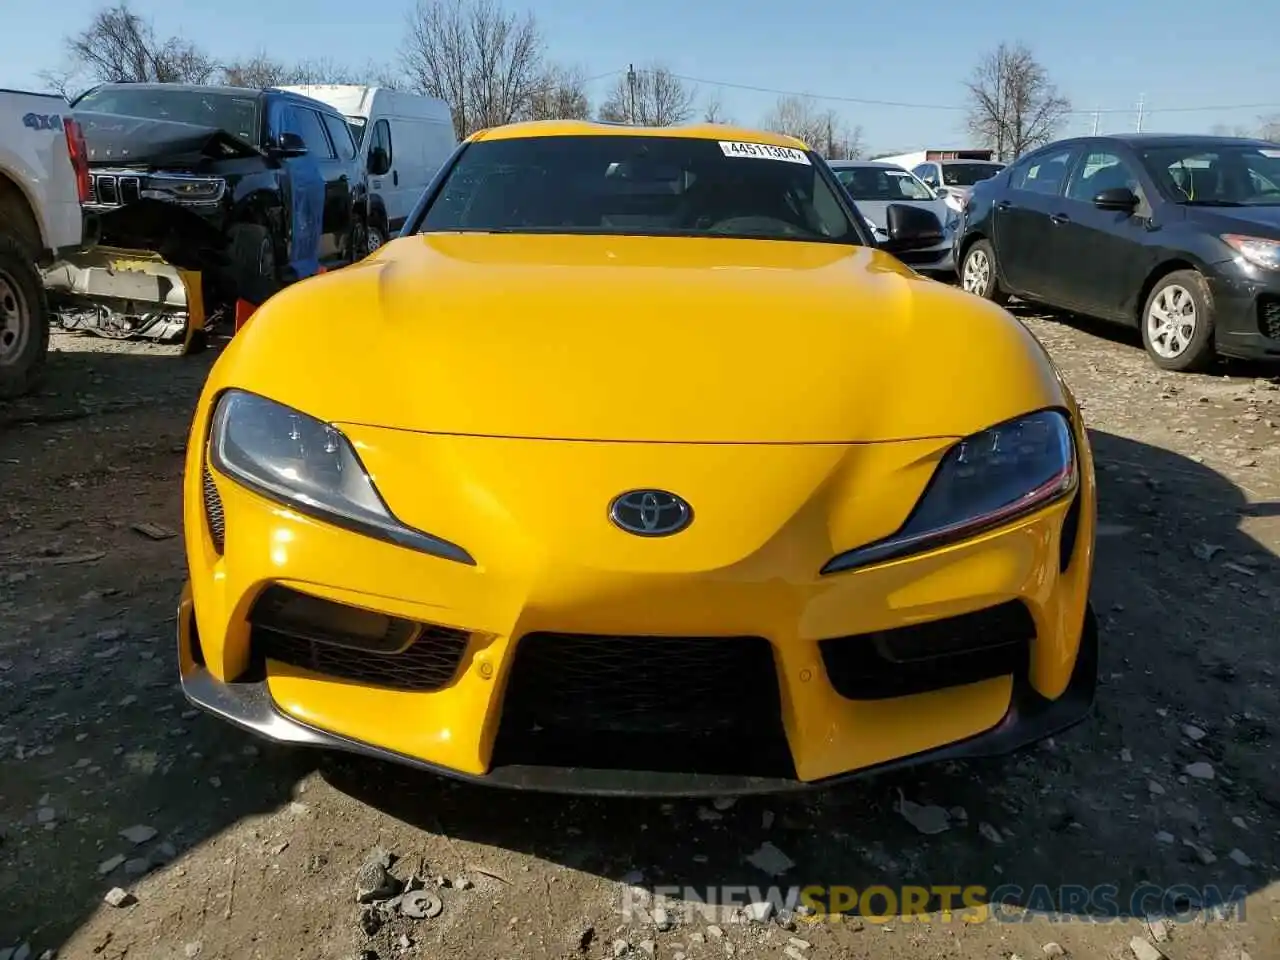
[(403, 140)]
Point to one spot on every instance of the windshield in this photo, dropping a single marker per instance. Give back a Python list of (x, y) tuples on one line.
[(882, 183), (967, 174), (631, 185), (237, 115), (356, 125), (1222, 176)]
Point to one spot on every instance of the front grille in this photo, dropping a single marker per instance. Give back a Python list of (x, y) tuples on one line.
[(113, 189), (937, 655), (351, 643), (130, 189), (1269, 317), (213, 512), (107, 189), (672, 704)]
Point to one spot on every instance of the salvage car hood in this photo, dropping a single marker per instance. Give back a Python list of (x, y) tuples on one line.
[(113, 139), (640, 339)]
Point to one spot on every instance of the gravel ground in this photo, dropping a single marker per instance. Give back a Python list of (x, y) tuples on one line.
[(243, 850)]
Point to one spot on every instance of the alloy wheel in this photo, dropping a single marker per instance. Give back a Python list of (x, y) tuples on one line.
[(1171, 321), (977, 272)]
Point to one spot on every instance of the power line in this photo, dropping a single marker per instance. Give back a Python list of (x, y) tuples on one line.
[(958, 107)]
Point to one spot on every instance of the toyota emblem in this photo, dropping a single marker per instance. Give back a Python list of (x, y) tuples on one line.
[(650, 513)]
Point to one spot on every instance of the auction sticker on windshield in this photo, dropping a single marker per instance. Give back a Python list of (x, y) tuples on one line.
[(763, 151)]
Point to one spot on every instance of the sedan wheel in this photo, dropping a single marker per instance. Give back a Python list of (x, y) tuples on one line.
[(1177, 324), (1171, 321), (977, 272)]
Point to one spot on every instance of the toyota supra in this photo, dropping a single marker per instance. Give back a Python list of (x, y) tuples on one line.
[(637, 465)]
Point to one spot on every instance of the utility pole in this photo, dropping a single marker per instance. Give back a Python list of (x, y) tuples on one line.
[(631, 84), (1141, 102), (1096, 114), (831, 143)]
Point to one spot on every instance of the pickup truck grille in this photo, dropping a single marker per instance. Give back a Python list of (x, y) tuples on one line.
[(114, 190)]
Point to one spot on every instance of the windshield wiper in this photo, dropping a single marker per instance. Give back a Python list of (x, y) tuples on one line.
[(1212, 203)]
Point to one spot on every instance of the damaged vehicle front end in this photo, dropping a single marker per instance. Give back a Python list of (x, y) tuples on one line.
[(204, 199)]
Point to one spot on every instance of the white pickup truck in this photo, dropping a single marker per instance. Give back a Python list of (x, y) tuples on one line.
[(44, 178)]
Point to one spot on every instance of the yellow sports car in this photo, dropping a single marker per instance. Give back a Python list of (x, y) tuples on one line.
[(636, 466)]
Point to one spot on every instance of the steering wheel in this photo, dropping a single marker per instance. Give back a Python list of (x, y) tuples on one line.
[(765, 225)]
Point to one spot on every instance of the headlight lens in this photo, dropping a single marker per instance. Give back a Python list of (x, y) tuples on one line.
[(1259, 252), (175, 187), (983, 481), (302, 462)]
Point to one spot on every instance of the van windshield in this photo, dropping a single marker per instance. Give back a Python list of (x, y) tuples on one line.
[(357, 125), (640, 185)]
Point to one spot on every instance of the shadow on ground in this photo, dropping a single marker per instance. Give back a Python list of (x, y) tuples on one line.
[(1093, 822)]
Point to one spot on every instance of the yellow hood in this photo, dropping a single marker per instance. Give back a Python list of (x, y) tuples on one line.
[(637, 338)]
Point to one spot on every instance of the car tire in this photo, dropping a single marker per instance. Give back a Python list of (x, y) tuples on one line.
[(1177, 322), (374, 239), (24, 320), (254, 270), (977, 273)]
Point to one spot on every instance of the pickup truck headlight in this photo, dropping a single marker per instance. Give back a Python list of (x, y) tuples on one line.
[(985, 480), (303, 463)]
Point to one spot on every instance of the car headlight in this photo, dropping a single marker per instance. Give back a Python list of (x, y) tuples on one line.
[(297, 460), (1259, 252), (183, 189), (985, 480)]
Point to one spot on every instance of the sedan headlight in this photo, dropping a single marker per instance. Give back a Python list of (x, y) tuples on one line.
[(984, 481), (1259, 252), (304, 463)]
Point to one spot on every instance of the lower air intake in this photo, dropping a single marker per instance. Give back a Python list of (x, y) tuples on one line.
[(666, 704)]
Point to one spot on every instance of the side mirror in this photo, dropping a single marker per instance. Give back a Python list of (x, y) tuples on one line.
[(910, 228), (290, 145), (940, 191), (379, 162), (1116, 198)]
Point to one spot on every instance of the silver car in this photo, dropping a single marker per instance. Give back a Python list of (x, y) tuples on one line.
[(874, 185)]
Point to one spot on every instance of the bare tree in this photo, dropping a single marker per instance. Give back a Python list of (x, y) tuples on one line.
[(822, 130), (258, 71), (1013, 106), (1269, 128), (713, 110), (1229, 130), (650, 97), (561, 95), (484, 62), (119, 46), (262, 70)]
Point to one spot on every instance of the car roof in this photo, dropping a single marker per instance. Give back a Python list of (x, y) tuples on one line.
[(588, 128), (184, 88), (1167, 140)]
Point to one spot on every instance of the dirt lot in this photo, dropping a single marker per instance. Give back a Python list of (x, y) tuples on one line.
[(251, 851)]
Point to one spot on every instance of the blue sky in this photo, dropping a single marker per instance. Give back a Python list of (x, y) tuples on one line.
[(1101, 57)]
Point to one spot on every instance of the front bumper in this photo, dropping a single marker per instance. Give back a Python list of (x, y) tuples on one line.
[(765, 626), (1029, 719), (1246, 312)]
